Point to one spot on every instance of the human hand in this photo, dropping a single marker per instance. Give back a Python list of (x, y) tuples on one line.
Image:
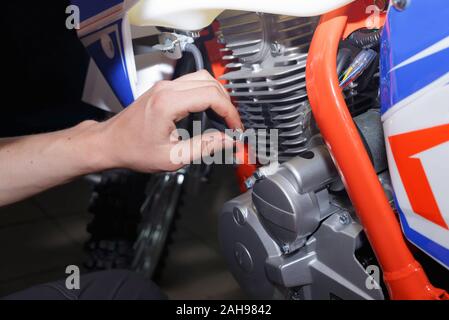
[(143, 136)]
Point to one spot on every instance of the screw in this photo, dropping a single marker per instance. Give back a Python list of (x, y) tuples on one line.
[(250, 182), (258, 175), (400, 5), (286, 249), (345, 219), (276, 48)]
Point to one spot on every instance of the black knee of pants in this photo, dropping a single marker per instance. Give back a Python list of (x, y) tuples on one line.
[(105, 285)]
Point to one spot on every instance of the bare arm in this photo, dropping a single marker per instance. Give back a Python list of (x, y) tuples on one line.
[(139, 138), (32, 164)]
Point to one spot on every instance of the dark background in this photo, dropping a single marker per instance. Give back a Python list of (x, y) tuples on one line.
[(44, 69)]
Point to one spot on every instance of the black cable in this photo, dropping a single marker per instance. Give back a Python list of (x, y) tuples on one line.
[(365, 39)]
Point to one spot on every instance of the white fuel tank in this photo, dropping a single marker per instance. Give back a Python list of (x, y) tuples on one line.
[(198, 14)]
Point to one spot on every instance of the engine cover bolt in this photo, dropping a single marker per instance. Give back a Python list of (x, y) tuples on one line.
[(276, 48), (285, 249), (345, 219), (258, 175), (250, 182), (243, 257)]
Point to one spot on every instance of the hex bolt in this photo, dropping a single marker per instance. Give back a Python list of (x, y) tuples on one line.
[(258, 175), (276, 48), (220, 39), (401, 5), (345, 219), (250, 182), (285, 249)]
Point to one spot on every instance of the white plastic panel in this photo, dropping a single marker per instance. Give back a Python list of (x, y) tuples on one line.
[(198, 14)]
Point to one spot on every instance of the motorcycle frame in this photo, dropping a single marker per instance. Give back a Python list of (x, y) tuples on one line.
[(403, 275)]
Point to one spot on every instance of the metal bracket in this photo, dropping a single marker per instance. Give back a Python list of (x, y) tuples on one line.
[(172, 44)]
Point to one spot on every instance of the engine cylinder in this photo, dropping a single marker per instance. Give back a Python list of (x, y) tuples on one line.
[(267, 57)]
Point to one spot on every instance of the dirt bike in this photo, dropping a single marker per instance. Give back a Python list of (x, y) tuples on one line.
[(357, 91)]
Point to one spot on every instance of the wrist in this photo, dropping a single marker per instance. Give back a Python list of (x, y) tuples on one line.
[(94, 147)]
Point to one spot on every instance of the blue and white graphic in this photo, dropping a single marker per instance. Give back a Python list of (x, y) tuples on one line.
[(415, 49), (90, 9), (105, 34), (106, 47), (415, 98)]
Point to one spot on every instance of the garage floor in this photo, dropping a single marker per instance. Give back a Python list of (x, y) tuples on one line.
[(39, 237)]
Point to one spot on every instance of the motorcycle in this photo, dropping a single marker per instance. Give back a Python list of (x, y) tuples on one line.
[(357, 91)]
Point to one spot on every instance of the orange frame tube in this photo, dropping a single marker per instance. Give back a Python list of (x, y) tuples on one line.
[(403, 275)]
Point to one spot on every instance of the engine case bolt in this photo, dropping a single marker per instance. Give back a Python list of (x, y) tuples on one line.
[(345, 219), (285, 249), (250, 182), (243, 257), (276, 48), (258, 175), (401, 5)]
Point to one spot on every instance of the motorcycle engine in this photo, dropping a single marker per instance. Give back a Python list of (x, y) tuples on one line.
[(294, 235)]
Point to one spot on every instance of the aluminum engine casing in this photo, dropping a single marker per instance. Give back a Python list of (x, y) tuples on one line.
[(292, 202), (286, 239), (267, 56)]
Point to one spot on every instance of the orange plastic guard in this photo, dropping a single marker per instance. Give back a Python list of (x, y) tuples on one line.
[(403, 275)]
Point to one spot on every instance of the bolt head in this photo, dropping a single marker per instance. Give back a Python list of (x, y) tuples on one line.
[(276, 48), (250, 182), (400, 5), (285, 249), (344, 219), (258, 175), (243, 257)]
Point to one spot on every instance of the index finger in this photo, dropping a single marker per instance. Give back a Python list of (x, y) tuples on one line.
[(198, 75), (202, 75), (180, 103)]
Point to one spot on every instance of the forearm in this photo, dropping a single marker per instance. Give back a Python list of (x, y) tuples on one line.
[(31, 164), (140, 138)]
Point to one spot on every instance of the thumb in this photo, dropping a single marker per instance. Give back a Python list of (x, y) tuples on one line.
[(204, 145)]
